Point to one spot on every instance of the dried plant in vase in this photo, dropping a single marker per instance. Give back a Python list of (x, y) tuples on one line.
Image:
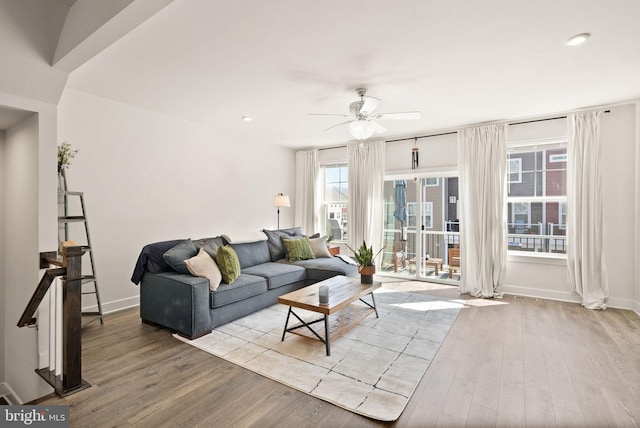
[(65, 155)]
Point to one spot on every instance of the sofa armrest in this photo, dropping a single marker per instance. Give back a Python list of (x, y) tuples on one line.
[(176, 301)]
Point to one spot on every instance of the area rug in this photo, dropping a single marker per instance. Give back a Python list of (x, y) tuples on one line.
[(374, 367)]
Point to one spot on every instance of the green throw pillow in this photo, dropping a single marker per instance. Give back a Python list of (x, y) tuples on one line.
[(228, 263), (298, 249)]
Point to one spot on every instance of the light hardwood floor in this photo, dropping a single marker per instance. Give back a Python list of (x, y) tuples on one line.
[(510, 362)]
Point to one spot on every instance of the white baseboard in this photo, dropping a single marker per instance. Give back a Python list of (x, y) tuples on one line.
[(9, 394), (565, 296), (562, 296), (115, 306)]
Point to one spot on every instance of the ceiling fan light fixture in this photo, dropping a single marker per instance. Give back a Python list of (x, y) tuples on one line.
[(362, 129)]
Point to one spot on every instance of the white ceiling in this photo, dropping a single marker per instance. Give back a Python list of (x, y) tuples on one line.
[(458, 62)]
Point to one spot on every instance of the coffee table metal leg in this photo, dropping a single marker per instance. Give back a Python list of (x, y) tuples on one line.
[(375, 308), (326, 334), (372, 306), (286, 324)]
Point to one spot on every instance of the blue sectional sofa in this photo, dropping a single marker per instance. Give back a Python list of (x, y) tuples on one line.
[(185, 303)]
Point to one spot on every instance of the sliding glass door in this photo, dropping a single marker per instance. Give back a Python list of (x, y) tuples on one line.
[(421, 225)]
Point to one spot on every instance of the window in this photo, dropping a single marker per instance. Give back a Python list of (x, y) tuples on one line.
[(433, 181), (537, 197), (335, 180), (514, 170), (427, 214)]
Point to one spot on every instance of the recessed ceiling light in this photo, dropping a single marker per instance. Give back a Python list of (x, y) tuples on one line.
[(578, 39), (247, 118)]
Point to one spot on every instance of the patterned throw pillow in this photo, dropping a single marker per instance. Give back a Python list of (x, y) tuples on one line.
[(298, 249), (228, 263)]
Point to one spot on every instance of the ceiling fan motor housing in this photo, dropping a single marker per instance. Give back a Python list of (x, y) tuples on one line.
[(354, 108)]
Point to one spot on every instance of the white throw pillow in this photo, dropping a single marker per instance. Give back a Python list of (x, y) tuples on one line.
[(204, 266), (319, 247)]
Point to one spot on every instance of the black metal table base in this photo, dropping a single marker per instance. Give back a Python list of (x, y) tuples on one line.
[(324, 318)]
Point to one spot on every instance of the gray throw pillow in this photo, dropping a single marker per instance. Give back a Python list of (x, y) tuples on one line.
[(176, 256), (210, 245), (274, 241)]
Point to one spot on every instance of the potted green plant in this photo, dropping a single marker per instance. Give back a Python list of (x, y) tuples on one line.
[(365, 258)]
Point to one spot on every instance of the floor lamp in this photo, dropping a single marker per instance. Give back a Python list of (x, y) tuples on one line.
[(281, 200)]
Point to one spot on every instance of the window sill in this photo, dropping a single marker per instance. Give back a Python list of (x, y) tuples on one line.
[(539, 258)]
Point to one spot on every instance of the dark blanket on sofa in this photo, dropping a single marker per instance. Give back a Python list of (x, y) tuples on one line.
[(153, 254)]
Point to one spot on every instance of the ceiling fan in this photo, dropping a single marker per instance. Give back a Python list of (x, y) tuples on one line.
[(361, 123)]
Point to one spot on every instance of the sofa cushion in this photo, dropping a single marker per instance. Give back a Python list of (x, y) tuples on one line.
[(242, 288), (252, 253), (274, 241), (228, 263), (176, 256), (324, 268), (298, 249), (210, 245), (278, 274), (319, 246), (204, 266)]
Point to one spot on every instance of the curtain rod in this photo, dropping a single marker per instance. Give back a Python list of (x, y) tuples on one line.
[(455, 132)]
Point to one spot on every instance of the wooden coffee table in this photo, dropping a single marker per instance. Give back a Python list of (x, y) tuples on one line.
[(342, 292)]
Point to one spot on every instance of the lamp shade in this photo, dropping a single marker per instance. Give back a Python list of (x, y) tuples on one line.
[(281, 200), (362, 129)]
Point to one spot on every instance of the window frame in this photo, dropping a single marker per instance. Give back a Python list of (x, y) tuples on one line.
[(327, 204), (547, 237), (518, 171), (427, 206)]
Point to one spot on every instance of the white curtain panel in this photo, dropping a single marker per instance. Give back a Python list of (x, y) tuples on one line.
[(308, 203), (482, 160), (366, 194), (585, 222)]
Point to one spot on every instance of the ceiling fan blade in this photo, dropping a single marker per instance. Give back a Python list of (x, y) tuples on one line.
[(406, 115), (340, 124), (379, 128), (329, 114), (370, 104)]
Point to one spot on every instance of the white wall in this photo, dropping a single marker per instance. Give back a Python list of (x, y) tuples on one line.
[(21, 247), (619, 186), (149, 177), (438, 153), (2, 245)]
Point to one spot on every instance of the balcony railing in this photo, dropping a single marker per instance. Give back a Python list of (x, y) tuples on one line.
[(534, 237), (435, 243)]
